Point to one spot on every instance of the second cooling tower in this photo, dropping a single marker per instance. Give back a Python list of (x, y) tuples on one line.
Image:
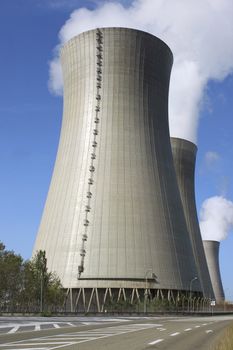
[(113, 211), (184, 156), (212, 256)]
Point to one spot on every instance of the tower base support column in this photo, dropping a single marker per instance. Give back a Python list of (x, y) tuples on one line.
[(130, 300)]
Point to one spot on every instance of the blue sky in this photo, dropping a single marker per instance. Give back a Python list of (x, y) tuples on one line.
[(30, 120)]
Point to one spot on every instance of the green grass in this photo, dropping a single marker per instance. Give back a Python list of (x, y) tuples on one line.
[(225, 342)]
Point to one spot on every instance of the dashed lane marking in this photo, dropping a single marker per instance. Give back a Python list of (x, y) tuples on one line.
[(161, 329), (209, 331), (156, 341), (188, 329), (197, 326), (174, 334)]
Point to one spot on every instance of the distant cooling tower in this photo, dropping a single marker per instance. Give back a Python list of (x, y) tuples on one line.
[(184, 156), (212, 256), (113, 215)]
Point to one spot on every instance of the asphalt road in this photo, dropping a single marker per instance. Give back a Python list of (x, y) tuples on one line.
[(139, 333)]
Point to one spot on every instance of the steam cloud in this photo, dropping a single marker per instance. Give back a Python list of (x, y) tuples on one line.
[(216, 218), (199, 32)]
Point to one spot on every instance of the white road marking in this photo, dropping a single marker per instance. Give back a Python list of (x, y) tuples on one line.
[(125, 329), (209, 331), (13, 330), (90, 323), (55, 325), (204, 324), (156, 341), (146, 324), (29, 348), (197, 326), (72, 338), (99, 330), (91, 331), (106, 319), (55, 342), (36, 326), (188, 329), (62, 346), (174, 334), (161, 329), (45, 343), (86, 335)]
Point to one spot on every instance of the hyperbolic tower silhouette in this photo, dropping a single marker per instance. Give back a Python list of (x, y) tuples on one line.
[(113, 223), (212, 257), (184, 157)]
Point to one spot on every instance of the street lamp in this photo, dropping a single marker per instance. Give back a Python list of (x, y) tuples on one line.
[(146, 289), (190, 289), (41, 292)]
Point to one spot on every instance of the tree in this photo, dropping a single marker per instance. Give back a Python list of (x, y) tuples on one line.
[(27, 286), (10, 278), (45, 288), (39, 263), (54, 294)]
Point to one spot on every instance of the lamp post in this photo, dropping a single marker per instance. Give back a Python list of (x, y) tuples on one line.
[(41, 292), (190, 289), (153, 275)]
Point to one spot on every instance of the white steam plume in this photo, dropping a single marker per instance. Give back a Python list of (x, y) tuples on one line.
[(199, 32), (216, 218)]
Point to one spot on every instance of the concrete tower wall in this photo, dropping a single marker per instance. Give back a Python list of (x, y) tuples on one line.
[(113, 195), (212, 256), (184, 156)]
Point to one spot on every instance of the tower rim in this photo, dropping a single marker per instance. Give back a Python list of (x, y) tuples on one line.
[(84, 32), (184, 141), (211, 240)]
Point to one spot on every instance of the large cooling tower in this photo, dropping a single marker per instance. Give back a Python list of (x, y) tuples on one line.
[(113, 213), (212, 257), (184, 156)]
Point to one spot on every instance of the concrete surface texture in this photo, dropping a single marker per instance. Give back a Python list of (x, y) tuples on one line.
[(212, 256), (113, 210), (184, 157)]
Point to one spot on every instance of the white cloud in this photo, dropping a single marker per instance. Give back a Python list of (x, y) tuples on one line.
[(211, 158), (216, 218), (199, 32)]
